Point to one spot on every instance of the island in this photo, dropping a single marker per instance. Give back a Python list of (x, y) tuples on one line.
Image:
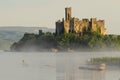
[(71, 34)]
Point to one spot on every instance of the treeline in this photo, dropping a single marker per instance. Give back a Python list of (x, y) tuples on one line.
[(47, 41)]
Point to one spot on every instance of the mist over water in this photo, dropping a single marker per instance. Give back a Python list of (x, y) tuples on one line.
[(68, 67), (36, 66), (54, 66)]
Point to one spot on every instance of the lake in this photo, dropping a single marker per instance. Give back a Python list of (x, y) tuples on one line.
[(68, 66), (52, 66), (36, 66)]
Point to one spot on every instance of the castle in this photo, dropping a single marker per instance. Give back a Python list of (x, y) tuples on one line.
[(71, 24)]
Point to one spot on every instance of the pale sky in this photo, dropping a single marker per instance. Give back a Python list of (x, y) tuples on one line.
[(44, 13)]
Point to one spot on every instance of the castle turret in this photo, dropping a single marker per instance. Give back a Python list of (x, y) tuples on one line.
[(68, 13), (59, 27), (94, 24), (75, 25)]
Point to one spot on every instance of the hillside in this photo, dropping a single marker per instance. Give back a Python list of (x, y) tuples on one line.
[(49, 42), (9, 35)]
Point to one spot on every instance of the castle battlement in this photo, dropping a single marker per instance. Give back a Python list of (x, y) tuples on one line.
[(72, 24)]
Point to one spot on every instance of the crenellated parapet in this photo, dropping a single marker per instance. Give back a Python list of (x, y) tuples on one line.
[(72, 24)]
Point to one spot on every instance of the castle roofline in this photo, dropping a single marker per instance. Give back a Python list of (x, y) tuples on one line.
[(67, 7), (101, 20)]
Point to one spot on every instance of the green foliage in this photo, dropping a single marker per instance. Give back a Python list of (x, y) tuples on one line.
[(91, 40), (106, 60)]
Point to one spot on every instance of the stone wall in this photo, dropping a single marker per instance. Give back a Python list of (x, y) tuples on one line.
[(79, 26), (66, 25), (59, 27), (68, 13)]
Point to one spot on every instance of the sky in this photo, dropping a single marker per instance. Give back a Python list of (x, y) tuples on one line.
[(44, 13)]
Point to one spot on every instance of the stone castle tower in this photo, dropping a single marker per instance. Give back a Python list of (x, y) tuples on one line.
[(67, 13), (72, 24)]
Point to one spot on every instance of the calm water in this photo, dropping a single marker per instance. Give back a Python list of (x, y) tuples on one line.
[(36, 66), (68, 67), (51, 66)]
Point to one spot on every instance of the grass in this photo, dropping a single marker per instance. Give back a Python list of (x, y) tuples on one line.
[(109, 60)]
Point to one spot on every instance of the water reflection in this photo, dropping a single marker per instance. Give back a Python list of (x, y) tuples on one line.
[(75, 67)]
